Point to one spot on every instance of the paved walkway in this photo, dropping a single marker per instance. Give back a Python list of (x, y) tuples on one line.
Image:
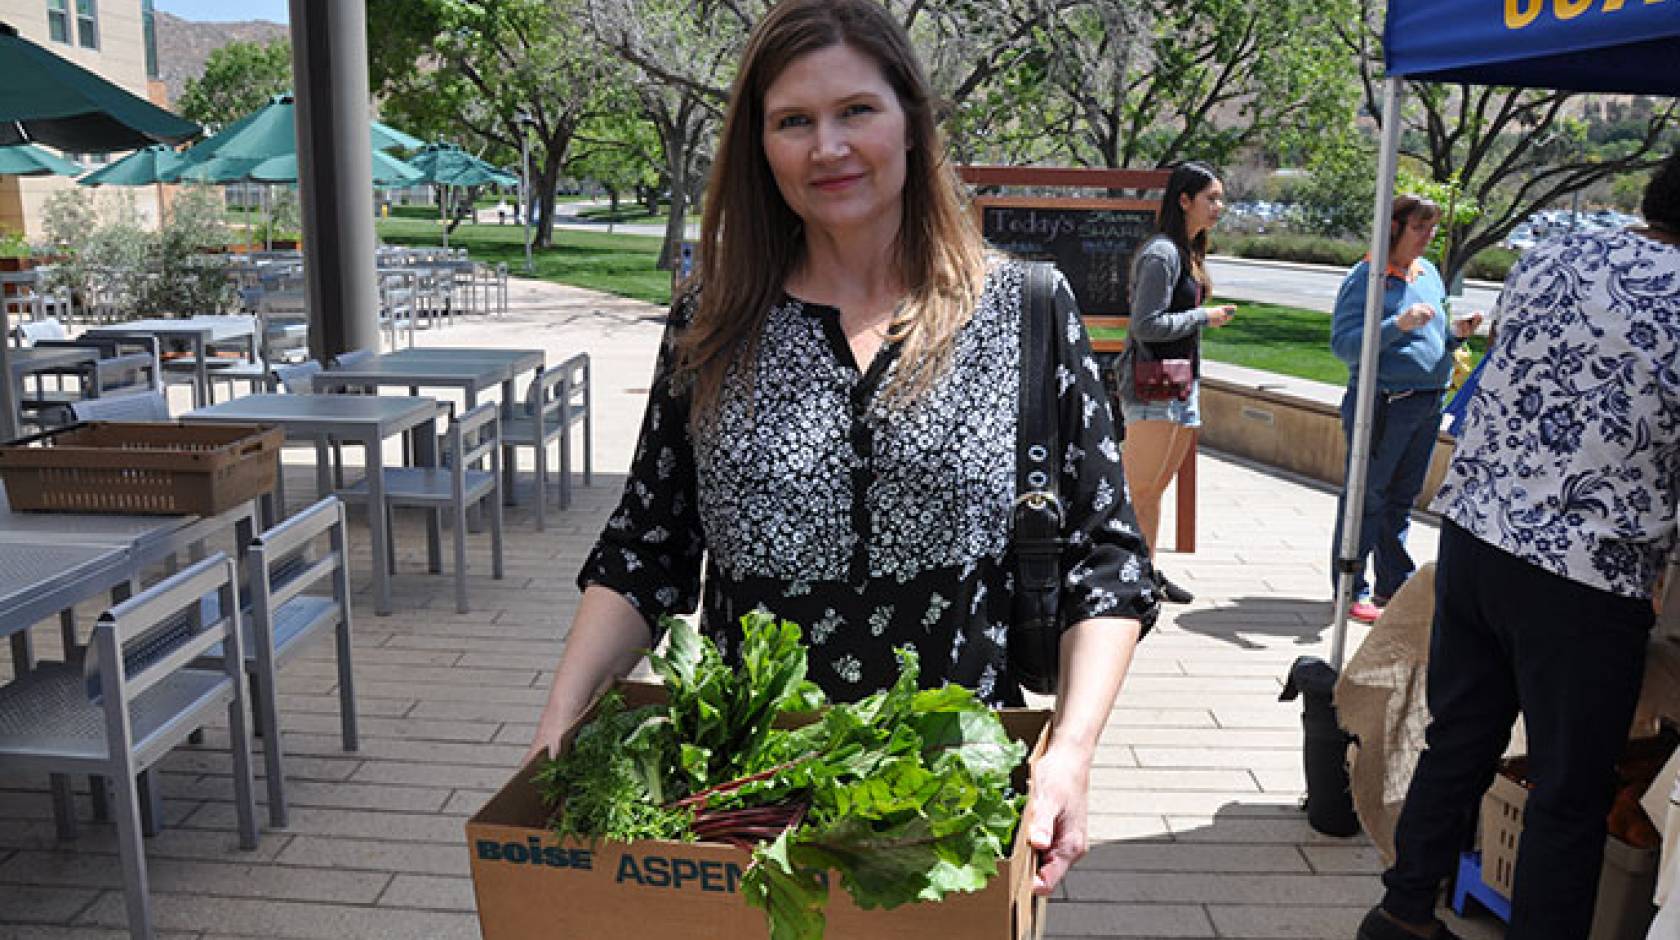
[(1193, 810)]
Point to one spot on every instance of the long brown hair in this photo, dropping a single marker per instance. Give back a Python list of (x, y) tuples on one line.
[(751, 240), (1188, 179)]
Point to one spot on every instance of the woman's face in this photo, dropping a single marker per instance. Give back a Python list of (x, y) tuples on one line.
[(834, 135), (1202, 210), (1413, 240)]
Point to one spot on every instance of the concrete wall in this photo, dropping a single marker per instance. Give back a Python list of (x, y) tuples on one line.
[(120, 58), (1288, 423)]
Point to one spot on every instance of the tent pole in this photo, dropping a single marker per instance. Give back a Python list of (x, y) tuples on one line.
[(1359, 451)]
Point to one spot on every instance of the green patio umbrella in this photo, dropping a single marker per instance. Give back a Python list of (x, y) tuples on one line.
[(444, 164), (283, 168), (143, 167), (271, 131), (55, 102), (46, 99), (262, 147), (30, 160), (447, 165)]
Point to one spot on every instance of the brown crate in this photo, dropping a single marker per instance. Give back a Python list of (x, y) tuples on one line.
[(530, 884), (155, 469)]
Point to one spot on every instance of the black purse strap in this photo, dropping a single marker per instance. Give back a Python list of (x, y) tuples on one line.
[(1038, 508)]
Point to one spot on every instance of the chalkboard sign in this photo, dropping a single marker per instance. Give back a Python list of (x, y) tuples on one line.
[(1091, 240)]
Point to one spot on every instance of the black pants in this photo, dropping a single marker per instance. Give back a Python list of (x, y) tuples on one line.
[(1509, 636)]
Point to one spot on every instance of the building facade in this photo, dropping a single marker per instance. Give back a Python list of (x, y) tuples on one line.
[(112, 38)]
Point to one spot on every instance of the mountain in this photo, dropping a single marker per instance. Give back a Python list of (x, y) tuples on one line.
[(184, 45)]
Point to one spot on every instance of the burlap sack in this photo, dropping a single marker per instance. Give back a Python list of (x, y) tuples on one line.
[(1380, 699)]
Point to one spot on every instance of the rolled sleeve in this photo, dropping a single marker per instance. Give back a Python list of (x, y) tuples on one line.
[(1105, 565), (651, 548)]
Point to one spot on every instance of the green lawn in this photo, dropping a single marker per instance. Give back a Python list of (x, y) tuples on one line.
[(1274, 338), (1286, 340), (617, 264), (628, 212)]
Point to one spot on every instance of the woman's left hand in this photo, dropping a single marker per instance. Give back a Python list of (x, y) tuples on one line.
[(1061, 786), (1463, 327)]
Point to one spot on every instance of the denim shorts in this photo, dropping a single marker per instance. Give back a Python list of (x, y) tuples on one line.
[(1187, 412)]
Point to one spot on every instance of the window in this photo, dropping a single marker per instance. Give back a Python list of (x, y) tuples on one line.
[(87, 24), (58, 20), (148, 23)]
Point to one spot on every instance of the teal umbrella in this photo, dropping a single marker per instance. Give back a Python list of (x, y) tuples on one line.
[(446, 165), (283, 168), (262, 146), (48, 99), (30, 160), (271, 131), (386, 137), (143, 167)]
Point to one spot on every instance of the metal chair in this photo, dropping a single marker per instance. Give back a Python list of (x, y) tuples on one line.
[(282, 618), (298, 379), (354, 357), (146, 406), (471, 438), (295, 379), (132, 700), (557, 399)]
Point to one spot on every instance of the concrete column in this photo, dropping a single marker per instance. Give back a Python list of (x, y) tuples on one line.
[(335, 174)]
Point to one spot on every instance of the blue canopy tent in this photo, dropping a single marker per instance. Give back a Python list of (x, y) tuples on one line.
[(1623, 46)]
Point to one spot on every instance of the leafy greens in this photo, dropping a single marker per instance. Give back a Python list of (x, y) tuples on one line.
[(905, 794)]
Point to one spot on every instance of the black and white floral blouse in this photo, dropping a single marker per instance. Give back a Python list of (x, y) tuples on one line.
[(872, 524)]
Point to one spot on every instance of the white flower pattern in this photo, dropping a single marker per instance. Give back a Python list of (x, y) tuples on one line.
[(810, 495)]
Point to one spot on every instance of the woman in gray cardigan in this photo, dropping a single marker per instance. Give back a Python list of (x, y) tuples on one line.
[(1169, 283)]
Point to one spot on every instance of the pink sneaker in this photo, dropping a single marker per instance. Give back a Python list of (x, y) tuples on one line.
[(1364, 612)]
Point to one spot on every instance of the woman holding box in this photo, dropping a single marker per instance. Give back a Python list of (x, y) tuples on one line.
[(831, 430)]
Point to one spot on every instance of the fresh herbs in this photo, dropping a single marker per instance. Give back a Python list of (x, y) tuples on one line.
[(905, 794)]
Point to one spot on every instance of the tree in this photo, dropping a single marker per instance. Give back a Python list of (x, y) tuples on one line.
[(1147, 83), (501, 70), (685, 55), (618, 148), (1512, 151), (238, 78)]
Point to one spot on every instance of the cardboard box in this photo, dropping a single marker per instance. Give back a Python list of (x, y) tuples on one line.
[(531, 884)]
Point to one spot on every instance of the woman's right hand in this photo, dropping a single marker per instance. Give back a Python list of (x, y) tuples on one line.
[(1221, 315), (607, 639), (550, 729), (1414, 316)]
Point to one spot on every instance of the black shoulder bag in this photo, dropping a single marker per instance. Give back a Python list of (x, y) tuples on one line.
[(1035, 630)]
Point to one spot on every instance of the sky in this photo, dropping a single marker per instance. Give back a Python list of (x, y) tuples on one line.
[(223, 11)]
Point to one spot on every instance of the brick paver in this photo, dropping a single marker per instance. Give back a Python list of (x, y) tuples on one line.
[(1194, 798)]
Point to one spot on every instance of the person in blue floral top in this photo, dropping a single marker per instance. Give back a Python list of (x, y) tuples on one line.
[(1558, 512), (831, 431)]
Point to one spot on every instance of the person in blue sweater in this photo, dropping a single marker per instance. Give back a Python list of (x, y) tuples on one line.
[(1413, 369)]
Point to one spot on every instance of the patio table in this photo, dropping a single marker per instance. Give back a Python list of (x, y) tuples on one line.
[(200, 332), (50, 561), (364, 419), (472, 369)]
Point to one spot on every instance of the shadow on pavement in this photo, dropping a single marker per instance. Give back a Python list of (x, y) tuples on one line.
[(1302, 620)]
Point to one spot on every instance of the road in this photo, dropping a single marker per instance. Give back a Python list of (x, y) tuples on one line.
[(1300, 285), (1309, 286)]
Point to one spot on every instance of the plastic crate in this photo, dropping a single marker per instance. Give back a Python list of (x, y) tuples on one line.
[(155, 469), (1502, 824)]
